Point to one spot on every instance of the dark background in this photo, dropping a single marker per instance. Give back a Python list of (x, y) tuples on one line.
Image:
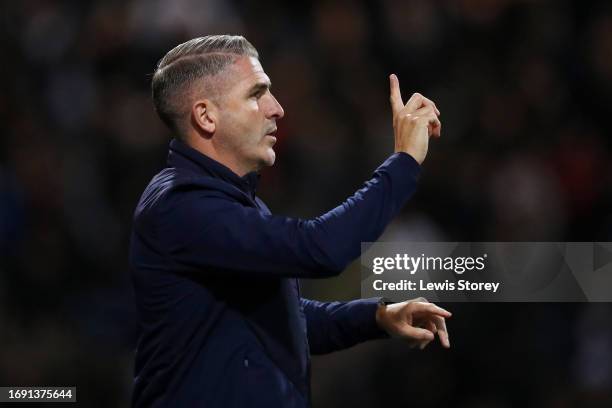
[(525, 91)]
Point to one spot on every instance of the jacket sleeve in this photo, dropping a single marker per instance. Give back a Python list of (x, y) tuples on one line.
[(204, 232), (335, 326)]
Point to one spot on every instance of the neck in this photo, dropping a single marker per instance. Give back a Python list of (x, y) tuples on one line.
[(207, 148)]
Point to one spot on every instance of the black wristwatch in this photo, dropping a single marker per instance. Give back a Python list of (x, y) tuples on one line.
[(383, 301)]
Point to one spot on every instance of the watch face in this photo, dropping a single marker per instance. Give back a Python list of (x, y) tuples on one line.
[(384, 301)]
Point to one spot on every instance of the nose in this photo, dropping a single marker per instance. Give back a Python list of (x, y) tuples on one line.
[(276, 110)]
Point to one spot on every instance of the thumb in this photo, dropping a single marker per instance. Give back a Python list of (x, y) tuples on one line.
[(415, 333)]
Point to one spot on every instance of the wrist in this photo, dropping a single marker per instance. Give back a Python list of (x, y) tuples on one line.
[(381, 312), (417, 156)]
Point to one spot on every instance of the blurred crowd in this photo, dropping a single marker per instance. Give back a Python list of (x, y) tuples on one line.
[(525, 91)]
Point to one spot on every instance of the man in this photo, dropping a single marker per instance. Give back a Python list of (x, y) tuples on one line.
[(215, 274)]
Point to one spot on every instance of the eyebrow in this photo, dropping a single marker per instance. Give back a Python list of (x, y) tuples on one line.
[(260, 86)]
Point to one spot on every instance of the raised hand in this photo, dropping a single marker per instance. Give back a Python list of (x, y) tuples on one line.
[(414, 122)]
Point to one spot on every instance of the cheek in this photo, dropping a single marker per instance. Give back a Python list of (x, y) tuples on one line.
[(250, 116), (238, 123), (243, 125)]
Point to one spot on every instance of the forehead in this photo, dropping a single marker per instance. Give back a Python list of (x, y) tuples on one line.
[(246, 72)]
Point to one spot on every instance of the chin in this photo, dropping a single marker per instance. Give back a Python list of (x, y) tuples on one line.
[(271, 158), (265, 160)]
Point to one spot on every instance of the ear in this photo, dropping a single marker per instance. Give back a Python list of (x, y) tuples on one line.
[(204, 116)]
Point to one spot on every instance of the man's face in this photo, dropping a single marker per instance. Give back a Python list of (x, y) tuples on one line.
[(247, 115)]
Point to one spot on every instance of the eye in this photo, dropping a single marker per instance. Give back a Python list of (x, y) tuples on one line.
[(259, 91), (258, 94)]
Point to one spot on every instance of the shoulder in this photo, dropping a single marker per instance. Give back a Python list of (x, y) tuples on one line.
[(175, 186)]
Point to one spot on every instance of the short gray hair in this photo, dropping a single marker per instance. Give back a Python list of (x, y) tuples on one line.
[(187, 63)]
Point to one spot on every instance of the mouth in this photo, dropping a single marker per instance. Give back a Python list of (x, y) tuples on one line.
[(272, 135)]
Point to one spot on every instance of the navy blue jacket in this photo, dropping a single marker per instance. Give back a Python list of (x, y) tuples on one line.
[(215, 278)]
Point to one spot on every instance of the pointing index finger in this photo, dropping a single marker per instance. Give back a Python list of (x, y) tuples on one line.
[(396, 95)]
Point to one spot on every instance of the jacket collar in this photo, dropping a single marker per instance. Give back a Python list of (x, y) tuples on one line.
[(182, 155)]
